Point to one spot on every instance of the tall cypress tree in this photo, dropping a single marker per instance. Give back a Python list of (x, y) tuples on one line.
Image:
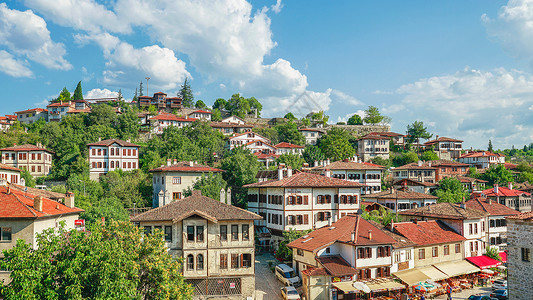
[(78, 94), (141, 89), (186, 94), (135, 96)]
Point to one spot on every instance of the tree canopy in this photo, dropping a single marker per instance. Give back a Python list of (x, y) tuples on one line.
[(451, 190), (290, 159), (335, 144), (210, 185), (374, 117), (290, 116), (313, 153), (355, 120), (417, 131), (239, 106), (186, 94), (429, 155), (78, 93), (240, 168), (288, 132)]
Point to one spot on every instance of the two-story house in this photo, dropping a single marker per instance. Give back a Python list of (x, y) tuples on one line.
[(371, 146), (311, 135), (430, 171), (231, 125), (201, 115), (467, 222), (170, 181), (163, 120), (400, 199), (482, 159), (36, 159), (472, 184), (497, 225), (288, 148), (446, 148), (402, 248), (515, 199), (11, 174), (252, 141), (301, 201), (57, 110), (32, 115), (112, 154), (215, 240), (415, 185), (348, 250), (160, 101)]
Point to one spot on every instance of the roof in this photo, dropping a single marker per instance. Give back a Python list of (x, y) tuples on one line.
[(38, 192), (484, 262), (196, 204), (288, 145), (305, 179), (401, 193), (504, 192), (59, 104), (522, 216), (336, 265), (229, 125), (25, 147), (412, 182), (464, 179), (387, 133), (7, 167), (341, 231), (442, 139), (311, 129), (427, 232), (201, 112), (186, 166), (15, 204), (32, 110), (445, 210), (493, 208), (432, 164), (261, 155), (400, 241), (171, 117), (481, 154), (349, 165), (159, 93), (371, 136), (110, 142), (311, 271)]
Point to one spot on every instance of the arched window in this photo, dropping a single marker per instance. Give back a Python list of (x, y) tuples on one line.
[(112, 151), (112, 162), (190, 262), (199, 262)]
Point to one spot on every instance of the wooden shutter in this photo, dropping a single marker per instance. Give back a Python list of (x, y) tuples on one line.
[(328, 198), (368, 252), (242, 260), (336, 198), (306, 200), (306, 219)]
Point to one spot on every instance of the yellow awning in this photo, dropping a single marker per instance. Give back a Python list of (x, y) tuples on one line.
[(456, 268), (411, 276), (346, 287), (433, 273), (390, 284), (376, 287)]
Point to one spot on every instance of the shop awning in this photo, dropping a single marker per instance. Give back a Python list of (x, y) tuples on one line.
[(392, 285), (484, 262), (433, 273), (503, 255), (456, 268), (346, 287), (411, 276)]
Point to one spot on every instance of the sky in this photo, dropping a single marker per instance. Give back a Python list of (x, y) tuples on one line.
[(464, 68)]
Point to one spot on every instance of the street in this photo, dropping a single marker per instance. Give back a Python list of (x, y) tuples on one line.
[(464, 294), (267, 286)]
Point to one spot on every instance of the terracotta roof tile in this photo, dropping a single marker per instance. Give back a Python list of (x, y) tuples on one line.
[(522, 216), (201, 112), (504, 192), (411, 182), (7, 167), (427, 232), (305, 179), (494, 208), (185, 166), (32, 110), (59, 104), (442, 139), (288, 145), (315, 272), (481, 154), (25, 147), (432, 164), (400, 240), (229, 125), (171, 117), (110, 142), (445, 210), (336, 265), (402, 193), (464, 179)]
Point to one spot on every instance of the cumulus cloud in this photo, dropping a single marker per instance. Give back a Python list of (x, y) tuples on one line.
[(345, 118), (345, 98), (100, 93), (471, 104), (13, 67), (277, 7), (25, 33)]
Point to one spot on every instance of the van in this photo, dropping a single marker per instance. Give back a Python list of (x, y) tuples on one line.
[(286, 275)]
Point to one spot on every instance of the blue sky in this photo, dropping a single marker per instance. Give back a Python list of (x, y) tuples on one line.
[(462, 67)]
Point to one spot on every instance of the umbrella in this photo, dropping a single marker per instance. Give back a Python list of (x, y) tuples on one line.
[(420, 288), (361, 286), (502, 267), (487, 271)]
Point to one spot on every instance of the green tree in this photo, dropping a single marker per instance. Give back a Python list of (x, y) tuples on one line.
[(497, 175), (383, 216), (130, 187), (152, 110), (335, 144), (128, 124), (268, 132), (119, 95), (186, 94), (200, 104), (288, 132), (28, 179), (373, 116), (305, 122), (382, 162), (255, 105), (135, 96), (109, 208), (64, 96), (78, 94), (319, 117), (493, 253), (489, 148), (238, 106), (216, 116), (355, 120), (220, 104), (141, 89), (429, 155), (115, 261), (290, 116), (284, 252), (313, 153), (451, 190), (417, 131), (289, 159), (240, 168), (102, 114), (210, 185)]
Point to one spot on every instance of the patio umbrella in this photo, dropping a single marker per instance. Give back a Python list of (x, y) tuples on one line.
[(487, 271), (361, 286)]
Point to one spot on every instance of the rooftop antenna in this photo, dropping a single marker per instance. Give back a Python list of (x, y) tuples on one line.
[(147, 78)]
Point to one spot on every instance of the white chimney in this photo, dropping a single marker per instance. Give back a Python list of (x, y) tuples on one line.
[(280, 172), (510, 185), (353, 236), (370, 234), (327, 162), (69, 199), (289, 171), (38, 203), (169, 162), (222, 196), (496, 190), (315, 164), (329, 221), (191, 163), (419, 163), (327, 172), (175, 161), (228, 197)]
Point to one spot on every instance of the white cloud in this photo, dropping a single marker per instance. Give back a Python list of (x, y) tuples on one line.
[(100, 93), (25, 33), (86, 76), (13, 67), (343, 97), (472, 105), (277, 7), (360, 112)]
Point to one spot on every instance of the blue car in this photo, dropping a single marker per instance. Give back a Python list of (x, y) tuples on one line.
[(500, 294), (479, 297)]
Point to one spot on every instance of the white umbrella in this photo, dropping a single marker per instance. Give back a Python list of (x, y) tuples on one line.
[(361, 286), (502, 267), (487, 271)]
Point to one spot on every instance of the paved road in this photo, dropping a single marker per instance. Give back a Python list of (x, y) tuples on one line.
[(267, 286), (464, 294)]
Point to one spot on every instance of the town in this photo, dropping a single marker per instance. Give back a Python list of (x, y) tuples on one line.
[(246, 207)]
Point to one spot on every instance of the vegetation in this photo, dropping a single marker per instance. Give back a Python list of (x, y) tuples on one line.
[(495, 175), (429, 155), (78, 93), (239, 106), (313, 153), (210, 186), (417, 131), (355, 120), (284, 252), (382, 216), (240, 168), (289, 159), (336, 145), (451, 190), (186, 94), (374, 117)]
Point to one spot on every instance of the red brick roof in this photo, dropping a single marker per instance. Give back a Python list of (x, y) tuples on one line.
[(371, 136), (494, 208), (315, 272), (159, 93), (229, 125), (311, 129), (305, 179), (481, 154), (32, 110), (110, 142), (336, 265), (464, 179), (445, 210), (386, 133), (185, 166), (402, 193), (7, 167), (59, 104), (522, 216), (504, 192), (427, 232), (288, 145), (442, 139), (341, 231), (171, 117), (25, 147), (18, 204), (432, 164), (265, 156), (411, 182)]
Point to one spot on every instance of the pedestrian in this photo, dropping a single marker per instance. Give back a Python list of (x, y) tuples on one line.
[(422, 297), (449, 292)]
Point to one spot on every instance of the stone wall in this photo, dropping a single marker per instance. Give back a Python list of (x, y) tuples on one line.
[(520, 273)]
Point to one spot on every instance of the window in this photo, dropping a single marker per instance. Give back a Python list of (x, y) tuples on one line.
[(447, 250), (190, 233), (246, 260), (526, 256), (168, 234), (223, 232), (397, 257), (245, 232), (234, 232), (435, 251), (299, 252), (190, 262), (475, 228), (223, 261), (235, 261), (457, 248), (421, 253), (176, 180), (470, 228), (147, 229), (408, 255), (33, 156), (176, 195), (5, 234), (199, 262), (199, 233)]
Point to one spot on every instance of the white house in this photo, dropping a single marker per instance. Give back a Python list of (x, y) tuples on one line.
[(371, 146), (482, 159), (160, 122), (252, 141), (32, 115), (446, 148), (311, 135), (401, 199), (201, 115), (285, 148), (112, 154)]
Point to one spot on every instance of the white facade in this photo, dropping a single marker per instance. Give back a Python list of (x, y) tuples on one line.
[(105, 158), (234, 120), (38, 161), (247, 138), (201, 115), (482, 160), (372, 147), (402, 259), (371, 178), (311, 135), (32, 115)]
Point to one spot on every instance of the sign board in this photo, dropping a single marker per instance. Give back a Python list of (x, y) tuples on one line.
[(293, 191), (232, 285), (341, 279), (79, 224)]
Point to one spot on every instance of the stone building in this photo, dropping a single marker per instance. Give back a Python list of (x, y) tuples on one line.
[(519, 260), (36, 159), (215, 240), (371, 146)]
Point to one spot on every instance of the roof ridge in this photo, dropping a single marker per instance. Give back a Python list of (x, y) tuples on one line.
[(356, 229), (26, 206)]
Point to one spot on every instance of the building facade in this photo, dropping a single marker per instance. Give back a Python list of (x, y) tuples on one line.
[(112, 154), (160, 101), (32, 115), (482, 159), (400, 199), (201, 115), (35, 159), (446, 148), (519, 260), (430, 171), (515, 199), (371, 146), (311, 135), (288, 148), (58, 110), (160, 122)]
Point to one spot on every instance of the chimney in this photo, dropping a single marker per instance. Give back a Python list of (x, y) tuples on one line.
[(328, 173), (353, 236), (328, 162), (69, 199), (38, 203), (415, 220), (228, 197), (370, 234), (392, 225), (289, 171), (222, 196), (496, 190), (429, 164), (510, 185), (436, 137), (419, 163), (168, 162), (280, 171), (329, 221), (191, 163), (175, 161), (315, 164), (306, 165)]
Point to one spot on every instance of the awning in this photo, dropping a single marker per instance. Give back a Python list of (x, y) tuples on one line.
[(411, 276), (503, 255), (484, 262), (346, 287), (392, 285), (433, 273), (456, 268)]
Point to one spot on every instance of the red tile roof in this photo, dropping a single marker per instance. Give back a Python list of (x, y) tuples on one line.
[(522, 216), (315, 272), (7, 167), (411, 182), (288, 145), (504, 192), (341, 231), (402, 193), (481, 154), (311, 129), (25, 147), (464, 179), (494, 208), (445, 210), (32, 110), (110, 142), (305, 179), (185, 166), (336, 265), (442, 139), (265, 155), (510, 166), (18, 204), (59, 104), (386, 133), (427, 232), (159, 93), (371, 136), (171, 117), (432, 164), (201, 112)]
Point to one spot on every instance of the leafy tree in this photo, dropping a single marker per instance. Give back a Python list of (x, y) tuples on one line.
[(451, 190), (255, 105), (490, 148), (305, 122), (382, 162), (355, 120), (216, 116), (78, 94), (238, 105), (28, 179), (382, 216), (319, 117), (429, 155), (241, 166), (152, 110), (313, 153), (497, 175), (119, 95), (200, 104), (335, 144), (289, 159), (128, 124), (115, 261), (288, 132), (129, 187), (109, 208), (373, 116), (404, 158), (270, 133), (135, 96), (220, 104), (341, 123), (102, 114), (64, 96), (210, 185), (290, 116), (416, 131), (186, 94), (493, 253), (284, 252)]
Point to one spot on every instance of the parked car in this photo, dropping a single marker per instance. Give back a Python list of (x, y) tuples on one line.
[(286, 275), (499, 284), (290, 293), (500, 294), (479, 297)]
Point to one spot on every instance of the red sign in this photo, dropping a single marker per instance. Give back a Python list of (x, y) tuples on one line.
[(79, 222)]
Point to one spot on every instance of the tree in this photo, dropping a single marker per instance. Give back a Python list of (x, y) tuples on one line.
[(210, 185), (238, 106), (200, 104), (290, 159), (64, 96), (489, 148), (416, 131), (319, 117), (288, 132), (130, 187), (186, 95), (270, 133), (135, 96), (355, 120), (102, 114), (255, 105), (28, 179), (429, 155), (284, 252), (290, 116), (220, 104), (109, 208), (373, 116), (216, 116), (305, 122), (313, 153), (78, 94), (493, 253), (112, 261), (141, 88), (241, 166), (383, 216), (119, 95), (451, 190), (128, 124), (335, 144), (497, 175)]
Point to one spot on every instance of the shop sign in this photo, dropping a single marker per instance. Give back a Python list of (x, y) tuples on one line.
[(341, 279), (232, 285)]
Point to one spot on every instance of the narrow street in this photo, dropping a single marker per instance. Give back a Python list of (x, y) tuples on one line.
[(267, 286)]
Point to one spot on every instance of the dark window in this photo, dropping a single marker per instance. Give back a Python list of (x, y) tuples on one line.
[(245, 232), (235, 261), (457, 248), (234, 232), (526, 254), (5, 234), (246, 260), (421, 253), (447, 250), (199, 233), (190, 233), (190, 262), (199, 262), (168, 234), (223, 261), (223, 232), (147, 229)]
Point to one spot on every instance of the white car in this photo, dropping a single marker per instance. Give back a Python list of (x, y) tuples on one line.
[(290, 293), (286, 275), (499, 284)]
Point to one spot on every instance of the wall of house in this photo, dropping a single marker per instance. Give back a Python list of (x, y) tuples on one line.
[(374, 261), (429, 259), (31, 163), (317, 287), (105, 158), (520, 272), (406, 256), (163, 181)]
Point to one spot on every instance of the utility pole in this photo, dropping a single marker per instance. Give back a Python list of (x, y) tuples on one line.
[(147, 78)]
